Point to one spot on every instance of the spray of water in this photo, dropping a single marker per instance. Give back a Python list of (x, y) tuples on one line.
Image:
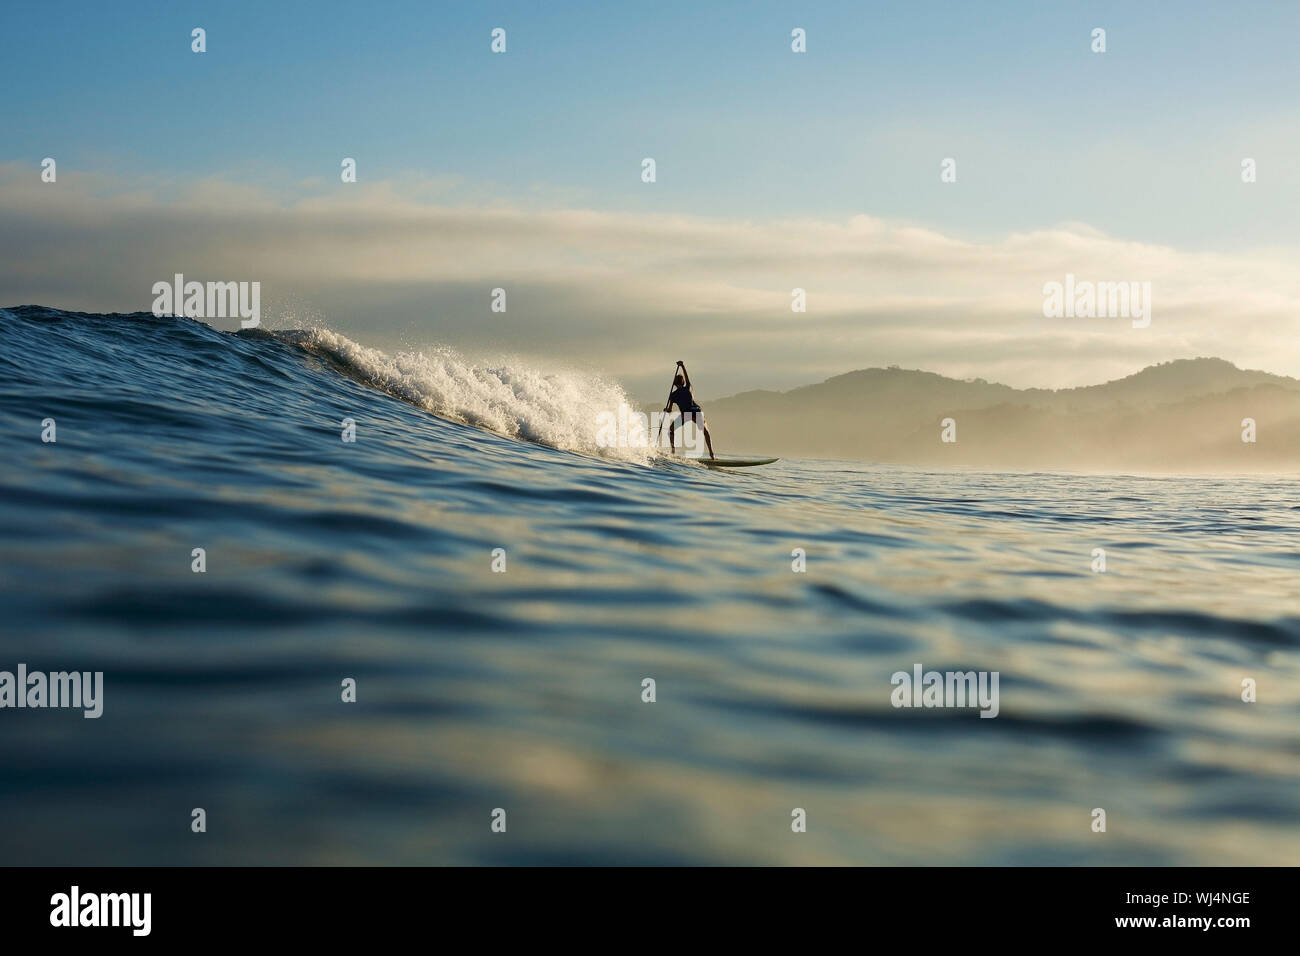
[(557, 409)]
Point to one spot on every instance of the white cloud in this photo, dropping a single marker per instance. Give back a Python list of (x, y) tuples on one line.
[(402, 259)]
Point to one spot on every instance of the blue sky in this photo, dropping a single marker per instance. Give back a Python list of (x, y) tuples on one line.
[(1044, 130), (775, 171)]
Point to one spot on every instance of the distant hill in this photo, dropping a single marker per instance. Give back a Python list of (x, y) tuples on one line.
[(1178, 416)]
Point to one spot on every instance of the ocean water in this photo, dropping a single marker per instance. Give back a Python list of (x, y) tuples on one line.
[(522, 690)]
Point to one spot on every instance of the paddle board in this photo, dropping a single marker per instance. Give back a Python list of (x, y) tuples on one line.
[(735, 462)]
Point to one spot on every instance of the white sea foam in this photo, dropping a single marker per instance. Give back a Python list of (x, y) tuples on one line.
[(557, 409)]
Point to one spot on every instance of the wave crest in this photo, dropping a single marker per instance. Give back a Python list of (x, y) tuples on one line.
[(556, 409)]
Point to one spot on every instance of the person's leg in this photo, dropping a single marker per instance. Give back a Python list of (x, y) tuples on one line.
[(701, 425), (672, 449)]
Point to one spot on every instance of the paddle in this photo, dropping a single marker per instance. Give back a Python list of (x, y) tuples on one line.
[(668, 404)]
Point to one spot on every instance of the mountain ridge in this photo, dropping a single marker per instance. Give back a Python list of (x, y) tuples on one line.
[(1185, 414)]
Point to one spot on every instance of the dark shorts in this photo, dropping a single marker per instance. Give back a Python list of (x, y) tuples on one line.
[(694, 414)]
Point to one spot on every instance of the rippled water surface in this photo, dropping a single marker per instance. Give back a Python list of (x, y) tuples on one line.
[(522, 690)]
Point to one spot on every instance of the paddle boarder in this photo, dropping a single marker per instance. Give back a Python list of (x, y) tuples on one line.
[(688, 409)]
